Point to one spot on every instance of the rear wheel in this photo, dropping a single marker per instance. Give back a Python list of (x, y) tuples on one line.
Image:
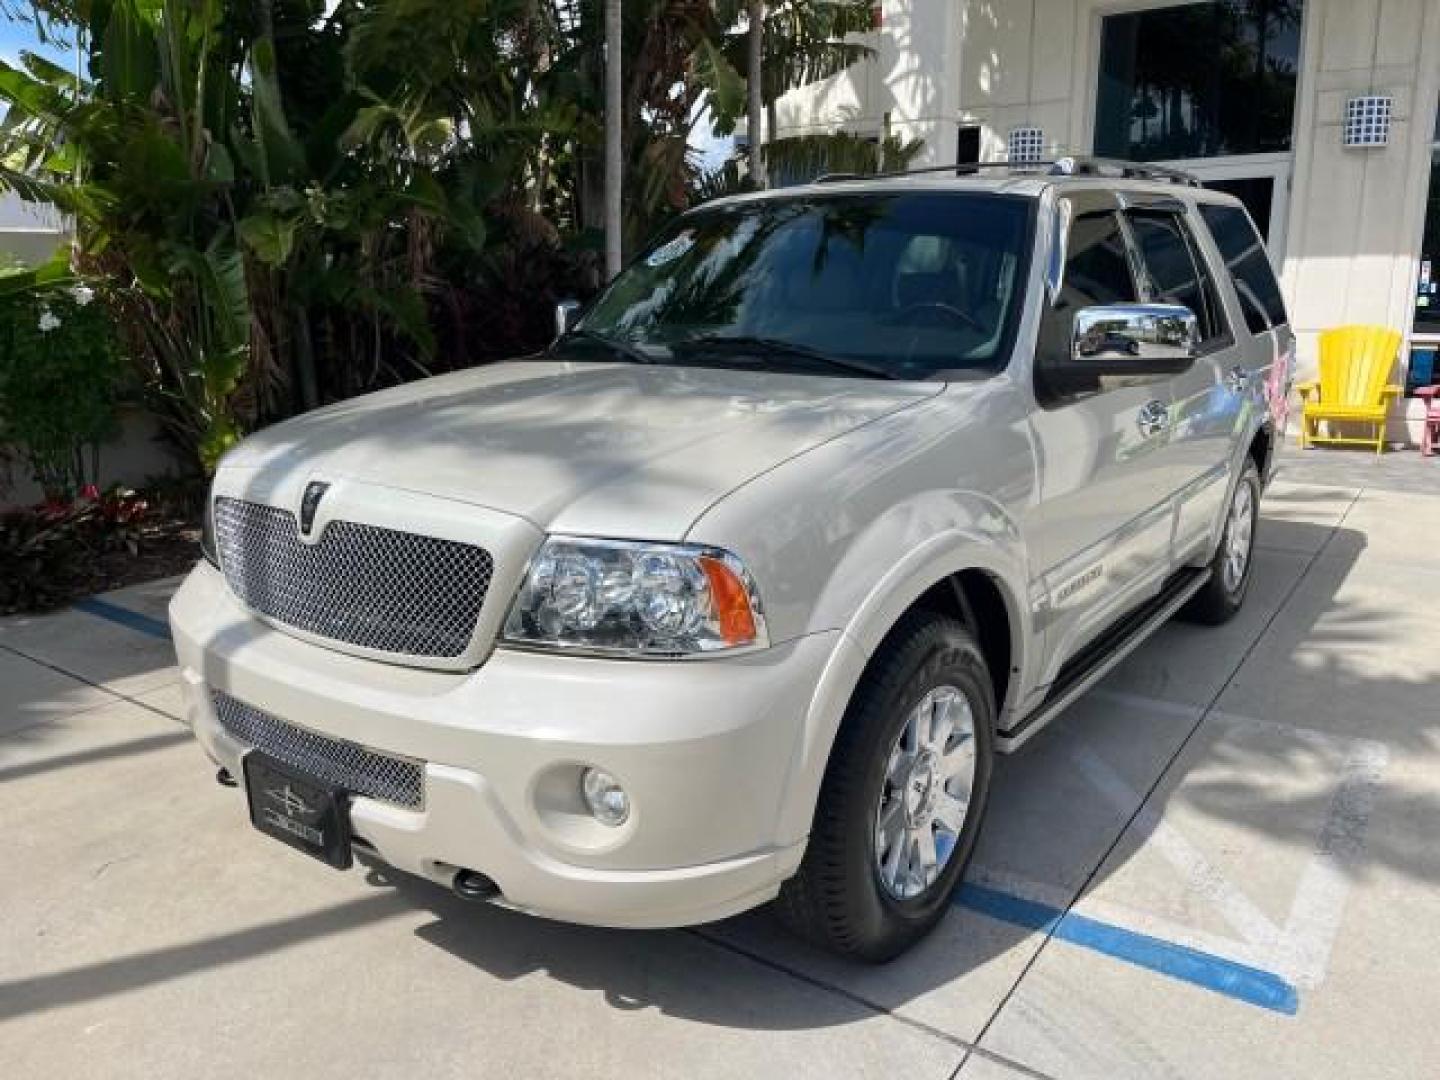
[(903, 796), (1222, 596)]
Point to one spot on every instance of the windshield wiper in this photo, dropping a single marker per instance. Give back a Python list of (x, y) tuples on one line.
[(779, 348), (620, 348)]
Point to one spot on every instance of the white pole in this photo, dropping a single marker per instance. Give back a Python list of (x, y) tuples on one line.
[(613, 139), (755, 100)]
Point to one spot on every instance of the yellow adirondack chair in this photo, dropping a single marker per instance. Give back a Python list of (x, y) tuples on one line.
[(1355, 361)]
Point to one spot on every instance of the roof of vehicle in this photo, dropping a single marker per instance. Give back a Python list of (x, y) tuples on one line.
[(1030, 181)]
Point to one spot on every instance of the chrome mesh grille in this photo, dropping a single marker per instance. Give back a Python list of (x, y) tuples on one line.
[(381, 589), (347, 765)]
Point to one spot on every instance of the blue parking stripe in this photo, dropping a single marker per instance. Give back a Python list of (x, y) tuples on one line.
[(1239, 981), (124, 616)]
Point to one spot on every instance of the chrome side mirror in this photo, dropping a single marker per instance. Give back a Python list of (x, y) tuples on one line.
[(1134, 339), (567, 313)]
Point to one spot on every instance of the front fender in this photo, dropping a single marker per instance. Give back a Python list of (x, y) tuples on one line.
[(994, 548), (848, 535)]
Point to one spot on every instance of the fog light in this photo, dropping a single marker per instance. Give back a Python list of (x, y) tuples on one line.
[(605, 797)]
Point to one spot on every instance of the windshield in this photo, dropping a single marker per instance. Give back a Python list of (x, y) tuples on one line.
[(893, 285)]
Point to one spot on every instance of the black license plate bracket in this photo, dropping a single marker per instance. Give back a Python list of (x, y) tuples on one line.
[(299, 810)]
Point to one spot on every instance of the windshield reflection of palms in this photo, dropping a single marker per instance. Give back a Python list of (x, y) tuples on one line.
[(825, 274), (850, 223)]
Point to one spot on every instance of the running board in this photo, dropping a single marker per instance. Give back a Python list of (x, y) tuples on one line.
[(1093, 662)]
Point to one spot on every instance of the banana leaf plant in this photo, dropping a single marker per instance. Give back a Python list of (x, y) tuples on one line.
[(260, 188), (286, 202)]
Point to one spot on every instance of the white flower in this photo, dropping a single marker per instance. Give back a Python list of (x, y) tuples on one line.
[(48, 321), (82, 295)]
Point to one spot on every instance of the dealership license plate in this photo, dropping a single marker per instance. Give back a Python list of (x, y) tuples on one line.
[(298, 810)]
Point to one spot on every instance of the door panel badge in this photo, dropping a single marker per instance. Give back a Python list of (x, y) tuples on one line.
[(1079, 583)]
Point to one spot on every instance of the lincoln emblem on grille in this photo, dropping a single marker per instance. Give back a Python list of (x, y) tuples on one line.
[(310, 502)]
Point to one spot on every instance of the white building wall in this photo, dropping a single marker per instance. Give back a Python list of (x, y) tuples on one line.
[(1352, 237), (28, 233), (909, 82), (1018, 68), (1356, 216)]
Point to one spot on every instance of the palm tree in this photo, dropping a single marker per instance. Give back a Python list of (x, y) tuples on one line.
[(754, 89), (614, 139)]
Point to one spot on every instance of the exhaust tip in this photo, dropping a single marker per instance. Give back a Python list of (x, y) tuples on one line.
[(473, 885)]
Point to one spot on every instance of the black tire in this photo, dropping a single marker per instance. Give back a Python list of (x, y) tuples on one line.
[(1221, 597), (836, 900)]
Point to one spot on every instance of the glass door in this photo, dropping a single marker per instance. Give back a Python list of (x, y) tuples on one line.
[(1207, 86)]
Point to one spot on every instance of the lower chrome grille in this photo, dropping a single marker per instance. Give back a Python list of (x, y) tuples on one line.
[(357, 769)]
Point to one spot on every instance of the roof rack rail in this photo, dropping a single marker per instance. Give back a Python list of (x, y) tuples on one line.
[(1080, 165), (958, 170), (1065, 166)]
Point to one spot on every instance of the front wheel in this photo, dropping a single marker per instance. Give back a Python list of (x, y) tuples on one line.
[(903, 797), (1220, 597)]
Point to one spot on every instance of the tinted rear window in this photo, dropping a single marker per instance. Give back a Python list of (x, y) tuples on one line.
[(1249, 266)]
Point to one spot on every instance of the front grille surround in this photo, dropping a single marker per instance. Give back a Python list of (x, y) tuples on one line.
[(357, 769), (377, 589)]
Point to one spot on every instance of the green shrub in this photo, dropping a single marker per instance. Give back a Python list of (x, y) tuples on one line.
[(61, 374)]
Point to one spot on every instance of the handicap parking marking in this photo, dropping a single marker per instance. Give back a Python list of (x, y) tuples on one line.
[(1266, 962), (1224, 976), (1197, 873), (1306, 940)]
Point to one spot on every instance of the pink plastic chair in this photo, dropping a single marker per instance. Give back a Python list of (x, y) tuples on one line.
[(1430, 431)]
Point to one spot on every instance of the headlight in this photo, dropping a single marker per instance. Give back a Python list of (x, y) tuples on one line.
[(616, 597), (207, 531)]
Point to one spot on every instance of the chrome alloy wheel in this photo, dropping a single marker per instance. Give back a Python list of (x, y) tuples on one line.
[(929, 776), (1239, 527)]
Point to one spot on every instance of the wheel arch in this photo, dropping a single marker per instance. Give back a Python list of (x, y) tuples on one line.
[(1262, 451), (1259, 446), (973, 597), (964, 577)]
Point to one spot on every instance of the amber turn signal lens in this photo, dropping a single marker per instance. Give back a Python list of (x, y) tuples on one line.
[(731, 600)]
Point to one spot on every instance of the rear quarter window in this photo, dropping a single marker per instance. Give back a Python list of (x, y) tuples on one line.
[(1244, 254)]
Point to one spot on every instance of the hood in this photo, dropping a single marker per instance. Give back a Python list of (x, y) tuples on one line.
[(600, 449)]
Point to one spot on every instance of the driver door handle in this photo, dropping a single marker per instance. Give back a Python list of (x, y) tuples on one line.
[(1151, 418)]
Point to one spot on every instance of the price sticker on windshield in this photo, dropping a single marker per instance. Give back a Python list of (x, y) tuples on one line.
[(672, 250)]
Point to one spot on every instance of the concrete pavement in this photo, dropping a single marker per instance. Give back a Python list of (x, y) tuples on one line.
[(1221, 863)]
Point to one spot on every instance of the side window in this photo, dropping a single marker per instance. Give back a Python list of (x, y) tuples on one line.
[(1249, 267), (1097, 271), (1176, 272)]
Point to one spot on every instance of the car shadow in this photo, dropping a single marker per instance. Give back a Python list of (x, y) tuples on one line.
[(1046, 828), (746, 972)]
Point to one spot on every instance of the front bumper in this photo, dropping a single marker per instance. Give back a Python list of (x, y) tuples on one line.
[(708, 751)]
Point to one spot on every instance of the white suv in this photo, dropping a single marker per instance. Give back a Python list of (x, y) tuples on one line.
[(736, 591)]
